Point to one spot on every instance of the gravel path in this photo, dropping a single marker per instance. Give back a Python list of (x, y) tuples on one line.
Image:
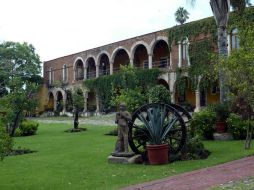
[(102, 120)]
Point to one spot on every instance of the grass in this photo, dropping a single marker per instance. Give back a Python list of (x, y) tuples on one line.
[(79, 161)]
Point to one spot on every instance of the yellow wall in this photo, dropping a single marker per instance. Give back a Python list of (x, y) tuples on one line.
[(43, 93), (212, 98)]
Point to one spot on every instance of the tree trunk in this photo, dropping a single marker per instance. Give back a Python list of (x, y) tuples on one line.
[(223, 53), (221, 11), (76, 123), (15, 124), (248, 137)]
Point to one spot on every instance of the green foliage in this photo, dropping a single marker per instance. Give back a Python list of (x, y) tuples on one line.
[(237, 127), (159, 93), (195, 149), (132, 97), (154, 124), (203, 123), (28, 128), (222, 111), (6, 142), (181, 15), (20, 70), (109, 87), (78, 100)]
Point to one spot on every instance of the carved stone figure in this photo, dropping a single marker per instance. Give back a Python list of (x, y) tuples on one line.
[(122, 119)]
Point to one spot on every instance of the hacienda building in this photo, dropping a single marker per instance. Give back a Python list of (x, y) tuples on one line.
[(63, 74)]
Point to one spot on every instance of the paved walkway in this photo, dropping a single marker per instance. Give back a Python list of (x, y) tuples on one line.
[(203, 178)]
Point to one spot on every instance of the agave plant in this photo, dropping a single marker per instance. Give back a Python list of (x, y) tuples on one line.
[(157, 123)]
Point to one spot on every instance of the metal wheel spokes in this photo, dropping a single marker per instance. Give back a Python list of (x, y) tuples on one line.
[(139, 135)]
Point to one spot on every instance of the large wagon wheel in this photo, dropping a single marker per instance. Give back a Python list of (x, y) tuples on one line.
[(139, 136), (184, 114)]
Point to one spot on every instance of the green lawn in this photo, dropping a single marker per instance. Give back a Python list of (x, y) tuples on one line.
[(79, 161)]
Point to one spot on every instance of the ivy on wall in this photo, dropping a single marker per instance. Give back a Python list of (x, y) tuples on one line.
[(201, 51), (106, 87)]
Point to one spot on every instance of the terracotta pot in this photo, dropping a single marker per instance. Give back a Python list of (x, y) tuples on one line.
[(221, 127), (157, 154)]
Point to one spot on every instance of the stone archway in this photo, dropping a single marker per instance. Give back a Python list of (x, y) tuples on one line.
[(79, 69), (161, 54), (140, 57), (120, 57), (90, 68), (59, 101), (104, 64)]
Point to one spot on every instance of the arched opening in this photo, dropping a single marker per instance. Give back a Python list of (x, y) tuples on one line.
[(91, 101), (69, 101), (141, 57), (184, 95), (79, 70), (59, 101), (104, 67), (161, 54), (91, 68), (163, 83), (121, 58), (50, 105)]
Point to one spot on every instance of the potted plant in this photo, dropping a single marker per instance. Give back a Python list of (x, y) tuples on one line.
[(155, 123), (222, 113)]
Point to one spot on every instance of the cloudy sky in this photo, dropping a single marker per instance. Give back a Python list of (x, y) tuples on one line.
[(61, 27)]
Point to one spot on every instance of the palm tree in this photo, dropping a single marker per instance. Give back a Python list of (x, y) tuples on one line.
[(221, 9), (181, 15)]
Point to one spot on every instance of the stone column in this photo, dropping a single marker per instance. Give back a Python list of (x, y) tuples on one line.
[(131, 62), (111, 67), (179, 54), (198, 108), (85, 73), (97, 71), (173, 97), (150, 61), (55, 104), (229, 44)]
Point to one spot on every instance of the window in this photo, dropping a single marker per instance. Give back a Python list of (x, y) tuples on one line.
[(64, 73), (51, 75), (184, 47), (235, 41)]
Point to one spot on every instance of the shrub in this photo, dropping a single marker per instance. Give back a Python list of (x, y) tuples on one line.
[(132, 98), (187, 106), (195, 149), (28, 128), (202, 123), (222, 111), (6, 142), (237, 127), (159, 93)]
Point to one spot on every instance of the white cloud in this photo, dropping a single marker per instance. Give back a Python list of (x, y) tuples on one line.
[(60, 27)]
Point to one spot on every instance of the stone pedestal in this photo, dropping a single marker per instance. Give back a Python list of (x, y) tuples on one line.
[(222, 136), (133, 159)]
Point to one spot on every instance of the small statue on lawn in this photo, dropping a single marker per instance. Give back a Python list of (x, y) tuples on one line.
[(123, 117)]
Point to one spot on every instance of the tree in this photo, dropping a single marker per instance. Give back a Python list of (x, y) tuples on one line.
[(181, 15), (20, 76), (221, 9), (78, 105), (239, 69)]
